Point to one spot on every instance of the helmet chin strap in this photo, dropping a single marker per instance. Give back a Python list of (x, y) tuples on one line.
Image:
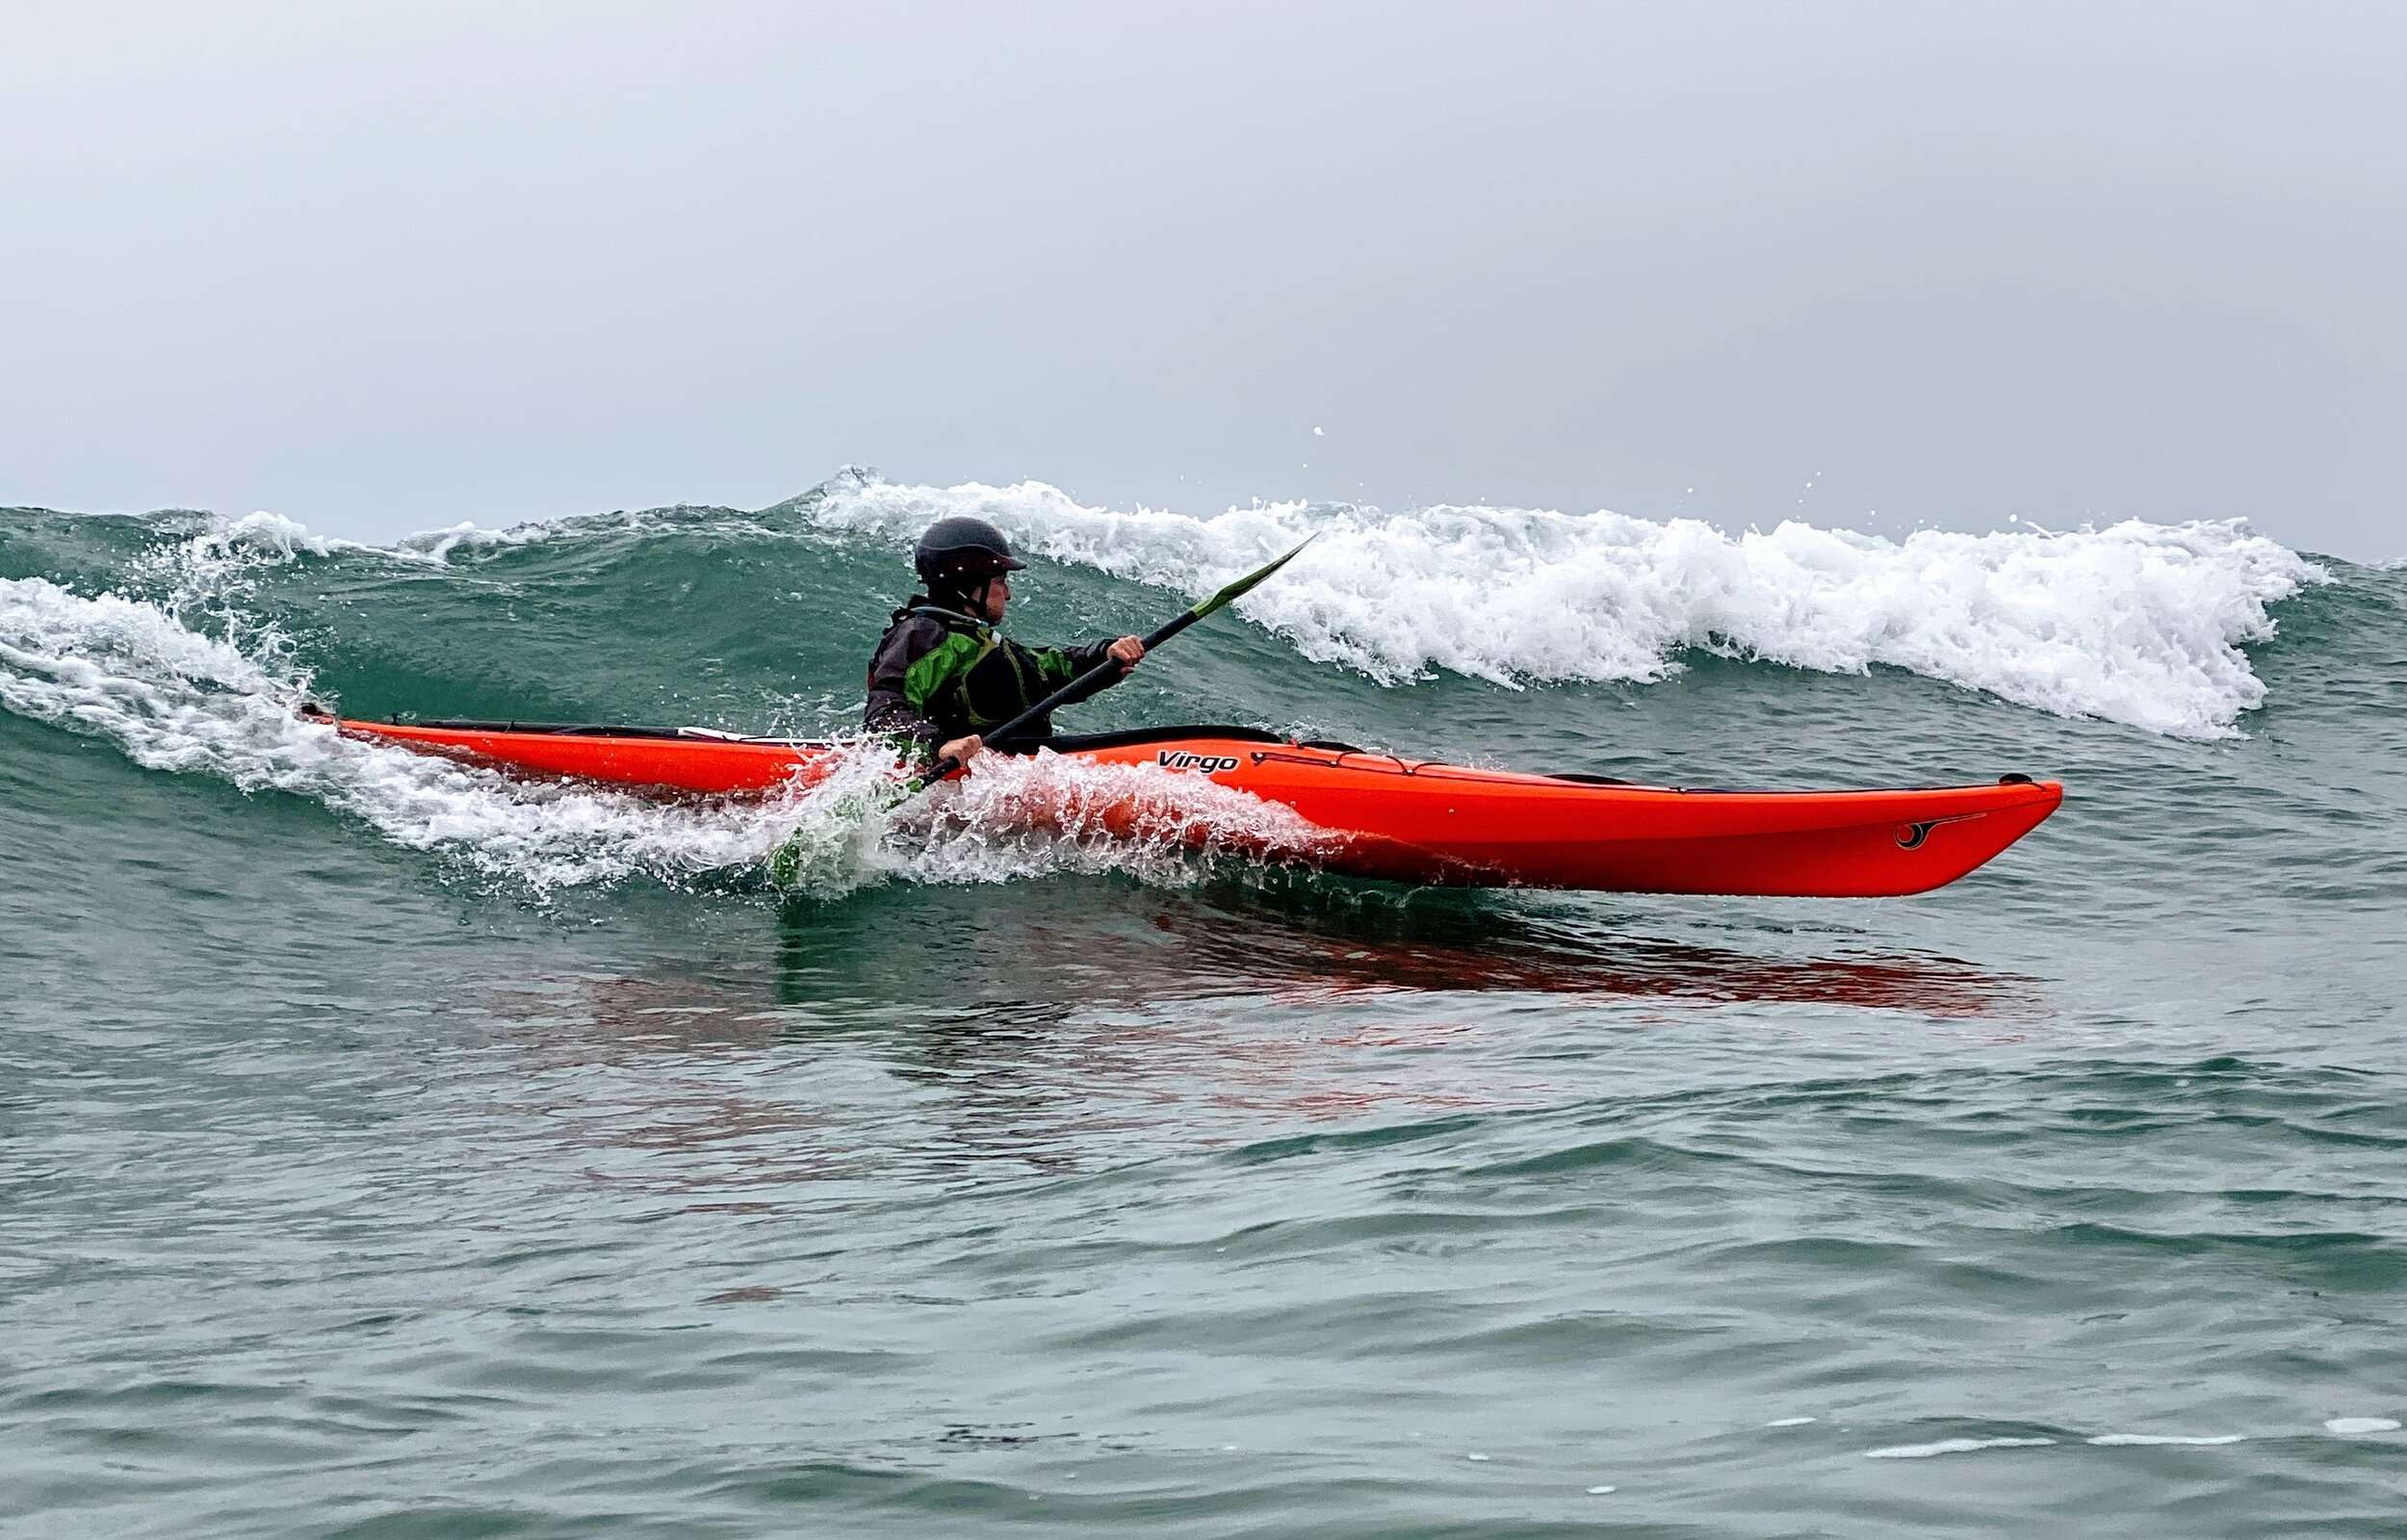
[(971, 595)]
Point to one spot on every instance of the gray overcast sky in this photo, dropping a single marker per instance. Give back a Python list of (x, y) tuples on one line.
[(386, 266)]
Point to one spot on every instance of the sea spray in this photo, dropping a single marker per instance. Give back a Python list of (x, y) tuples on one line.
[(175, 700), (1014, 816), (836, 825)]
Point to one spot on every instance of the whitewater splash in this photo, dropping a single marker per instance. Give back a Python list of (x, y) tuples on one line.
[(182, 679), (175, 700), (1018, 817), (2137, 623)]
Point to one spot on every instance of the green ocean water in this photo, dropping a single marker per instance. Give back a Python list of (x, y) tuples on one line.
[(390, 1148)]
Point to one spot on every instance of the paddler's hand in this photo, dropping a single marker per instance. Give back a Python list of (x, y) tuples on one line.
[(1125, 651), (960, 750)]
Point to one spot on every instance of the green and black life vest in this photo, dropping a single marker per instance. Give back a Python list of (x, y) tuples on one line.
[(938, 674)]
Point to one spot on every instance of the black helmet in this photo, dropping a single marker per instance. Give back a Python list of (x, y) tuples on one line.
[(959, 551)]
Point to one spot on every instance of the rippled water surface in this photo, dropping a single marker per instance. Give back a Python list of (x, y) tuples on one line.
[(387, 1148)]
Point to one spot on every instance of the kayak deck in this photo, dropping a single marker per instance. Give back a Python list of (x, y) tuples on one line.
[(1402, 819)]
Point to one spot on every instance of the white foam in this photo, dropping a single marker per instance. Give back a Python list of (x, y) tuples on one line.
[(2135, 623), (1015, 816), (436, 547), (2361, 1425), (2131, 1440), (1788, 1421), (174, 700), (1953, 1446), (272, 533)]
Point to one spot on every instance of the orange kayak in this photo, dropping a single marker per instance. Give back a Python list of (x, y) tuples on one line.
[(1400, 819)]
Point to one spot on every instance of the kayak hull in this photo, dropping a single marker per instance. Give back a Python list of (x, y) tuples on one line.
[(1400, 819)]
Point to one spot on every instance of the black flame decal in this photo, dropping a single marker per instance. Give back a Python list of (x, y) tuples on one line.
[(1912, 835)]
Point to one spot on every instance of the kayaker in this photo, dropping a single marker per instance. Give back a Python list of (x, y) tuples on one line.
[(942, 674)]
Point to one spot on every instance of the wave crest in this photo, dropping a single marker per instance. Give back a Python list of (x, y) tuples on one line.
[(2135, 623)]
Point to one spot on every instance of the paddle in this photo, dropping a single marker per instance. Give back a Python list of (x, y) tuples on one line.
[(1085, 681)]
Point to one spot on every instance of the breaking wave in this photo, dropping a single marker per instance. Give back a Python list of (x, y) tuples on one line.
[(2135, 623), (2139, 623)]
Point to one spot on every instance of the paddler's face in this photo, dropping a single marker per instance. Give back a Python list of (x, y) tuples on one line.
[(998, 594)]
